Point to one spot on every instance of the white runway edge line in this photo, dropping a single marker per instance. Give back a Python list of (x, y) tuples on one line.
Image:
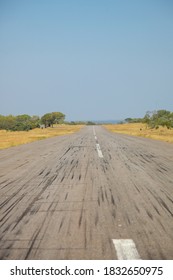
[(126, 249), (97, 145)]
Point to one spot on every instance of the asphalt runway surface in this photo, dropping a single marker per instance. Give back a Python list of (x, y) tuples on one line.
[(89, 195)]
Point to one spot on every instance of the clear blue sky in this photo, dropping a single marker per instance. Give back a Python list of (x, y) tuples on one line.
[(90, 59)]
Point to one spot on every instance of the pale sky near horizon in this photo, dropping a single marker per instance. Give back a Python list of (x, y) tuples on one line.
[(90, 59)]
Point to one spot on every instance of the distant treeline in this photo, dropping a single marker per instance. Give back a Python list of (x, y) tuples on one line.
[(81, 123), (155, 119), (26, 122)]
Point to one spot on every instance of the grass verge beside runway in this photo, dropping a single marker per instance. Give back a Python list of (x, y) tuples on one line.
[(15, 138), (140, 129)]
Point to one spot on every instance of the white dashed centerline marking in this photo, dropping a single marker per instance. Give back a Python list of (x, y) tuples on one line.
[(97, 145), (99, 151), (126, 249)]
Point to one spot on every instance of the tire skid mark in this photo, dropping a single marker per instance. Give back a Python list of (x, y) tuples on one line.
[(157, 211), (5, 201), (106, 195), (102, 195), (3, 204), (3, 182), (10, 208), (165, 206), (47, 173), (149, 214), (169, 198), (41, 172), (136, 207), (81, 217), (65, 152), (96, 219), (114, 213), (160, 223), (32, 244), (85, 234), (136, 187), (29, 206), (161, 202), (62, 179), (98, 201), (37, 234), (9, 183), (61, 224), (22, 164), (127, 218)]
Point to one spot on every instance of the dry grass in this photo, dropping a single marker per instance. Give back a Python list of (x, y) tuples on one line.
[(15, 138), (139, 129)]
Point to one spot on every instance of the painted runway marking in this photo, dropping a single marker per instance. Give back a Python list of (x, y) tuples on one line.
[(99, 151), (126, 249)]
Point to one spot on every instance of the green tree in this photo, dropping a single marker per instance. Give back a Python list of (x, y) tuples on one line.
[(128, 120), (7, 122), (154, 119), (23, 118), (47, 120), (58, 117), (23, 122), (52, 118)]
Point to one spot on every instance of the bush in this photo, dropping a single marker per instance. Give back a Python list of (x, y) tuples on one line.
[(155, 119), (19, 123)]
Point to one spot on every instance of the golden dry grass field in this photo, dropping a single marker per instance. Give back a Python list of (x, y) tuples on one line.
[(140, 129), (15, 138)]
